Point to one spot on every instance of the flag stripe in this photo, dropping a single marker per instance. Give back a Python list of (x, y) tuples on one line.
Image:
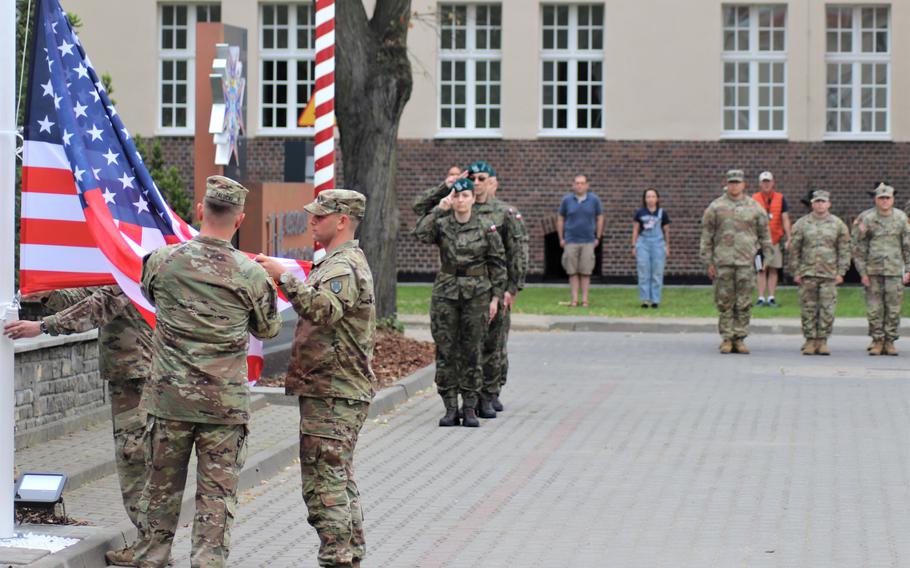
[(63, 258), (36, 154), (42, 280), (52, 206), (53, 232), (48, 180)]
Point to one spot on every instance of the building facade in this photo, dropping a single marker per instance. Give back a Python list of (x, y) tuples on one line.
[(651, 93)]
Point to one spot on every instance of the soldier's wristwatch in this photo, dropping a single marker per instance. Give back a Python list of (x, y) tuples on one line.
[(284, 278), (42, 327)]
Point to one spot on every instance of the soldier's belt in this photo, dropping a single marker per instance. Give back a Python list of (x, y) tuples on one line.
[(471, 271)]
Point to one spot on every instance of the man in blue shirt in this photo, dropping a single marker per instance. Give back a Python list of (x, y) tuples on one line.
[(580, 226)]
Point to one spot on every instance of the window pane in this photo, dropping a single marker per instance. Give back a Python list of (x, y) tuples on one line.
[(180, 43)]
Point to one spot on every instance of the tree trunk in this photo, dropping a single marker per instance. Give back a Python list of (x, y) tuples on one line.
[(373, 82)]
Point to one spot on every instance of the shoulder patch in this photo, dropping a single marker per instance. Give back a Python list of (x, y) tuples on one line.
[(336, 286)]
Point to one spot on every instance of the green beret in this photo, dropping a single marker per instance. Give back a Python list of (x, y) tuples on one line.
[(225, 189), (343, 201), (481, 167), (463, 184)]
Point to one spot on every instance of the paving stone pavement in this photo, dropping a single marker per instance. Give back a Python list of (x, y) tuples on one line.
[(630, 450)]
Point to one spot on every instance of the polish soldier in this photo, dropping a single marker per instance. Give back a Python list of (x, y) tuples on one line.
[(330, 371), (125, 353), (466, 296), (819, 258), (734, 228), (510, 225), (881, 254), (210, 297)]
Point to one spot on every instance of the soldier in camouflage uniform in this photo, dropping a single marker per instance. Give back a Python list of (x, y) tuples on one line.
[(465, 298), (330, 371), (881, 254), (819, 258), (125, 341), (514, 235), (209, 298), (734, 228)]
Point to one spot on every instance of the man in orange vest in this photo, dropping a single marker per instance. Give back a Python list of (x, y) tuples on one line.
[(775, 205)]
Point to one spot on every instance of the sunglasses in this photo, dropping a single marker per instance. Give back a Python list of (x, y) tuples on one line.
[(481, 178)]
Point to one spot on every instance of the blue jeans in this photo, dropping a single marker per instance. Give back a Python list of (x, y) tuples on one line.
[(650, 255)]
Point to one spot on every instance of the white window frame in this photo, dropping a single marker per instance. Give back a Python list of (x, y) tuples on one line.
[(470, 55), (188, 55), (292, 55), (856, 58), (573, 56), (754, 57)]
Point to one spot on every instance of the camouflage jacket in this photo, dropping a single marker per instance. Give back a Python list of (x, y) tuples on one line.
[(881, 243), (472, 255), (429, 198), (514, 234), (819, 247), (124, 338), (333, 342), (733, 231), (209, 297)]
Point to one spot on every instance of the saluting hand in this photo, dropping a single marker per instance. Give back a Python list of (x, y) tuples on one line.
[(446, 202)]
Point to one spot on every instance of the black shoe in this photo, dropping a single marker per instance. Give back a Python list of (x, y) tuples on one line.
[(654, 306), (644, 305), (772, 303), (486, 409), (470, 418), (497, 406), (450, 419)]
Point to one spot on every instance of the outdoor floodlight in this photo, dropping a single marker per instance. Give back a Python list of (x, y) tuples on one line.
[(40, 490)]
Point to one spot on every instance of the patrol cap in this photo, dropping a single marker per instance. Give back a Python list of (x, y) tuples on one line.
[(766, 176), (343, 201), (884, 190), (820, 195), (225, 189), (463, 184), (736, 175), (481, 167)]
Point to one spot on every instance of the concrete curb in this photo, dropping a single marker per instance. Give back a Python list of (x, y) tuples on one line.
[(89, 553)]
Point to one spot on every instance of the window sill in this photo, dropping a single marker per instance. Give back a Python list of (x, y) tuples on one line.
[(595, 134), (174, 132), (308, 132), (864, 137), (455, 134), (754, 136)]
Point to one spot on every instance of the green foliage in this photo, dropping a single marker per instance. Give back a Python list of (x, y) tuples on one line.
[(108, 82), (390, 323), (167, 178)]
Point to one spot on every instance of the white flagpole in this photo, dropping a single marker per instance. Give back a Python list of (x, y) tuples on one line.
[(7, 256)]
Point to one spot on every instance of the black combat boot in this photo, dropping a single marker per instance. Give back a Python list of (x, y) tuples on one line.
[(497, 405), (485, 409), (470, 418), (451, 417)]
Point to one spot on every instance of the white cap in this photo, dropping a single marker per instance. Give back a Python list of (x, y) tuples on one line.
[(765, 175)]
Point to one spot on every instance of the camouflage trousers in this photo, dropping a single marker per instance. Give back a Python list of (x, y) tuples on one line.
[(817, 302), (220, 454), (884, 296), (329, 429), (733, 288), (495, 354), (459, 328), (129, 442)]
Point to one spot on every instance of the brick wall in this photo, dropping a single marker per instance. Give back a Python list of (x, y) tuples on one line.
[(535, 174), (57, 378)]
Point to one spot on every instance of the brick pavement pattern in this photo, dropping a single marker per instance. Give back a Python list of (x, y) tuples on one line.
[(630, 450)]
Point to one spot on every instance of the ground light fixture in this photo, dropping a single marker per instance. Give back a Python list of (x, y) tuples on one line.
[(40, 490)]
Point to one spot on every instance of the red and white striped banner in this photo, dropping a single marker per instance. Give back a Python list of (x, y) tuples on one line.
[(324, 140)]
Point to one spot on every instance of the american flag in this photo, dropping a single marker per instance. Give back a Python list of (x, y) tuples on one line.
[(90, 209)]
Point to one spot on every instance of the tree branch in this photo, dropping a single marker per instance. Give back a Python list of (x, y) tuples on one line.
[(391, 19)]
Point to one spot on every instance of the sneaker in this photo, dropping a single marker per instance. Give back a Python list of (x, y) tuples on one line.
[(760, 302), (772, 303)]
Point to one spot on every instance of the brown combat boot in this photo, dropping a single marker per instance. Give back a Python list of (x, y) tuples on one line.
[(876, 347), (821, 347), (739, 346), (726, 346), (810, 347), (122, 557), (889, 348), (869, 347)]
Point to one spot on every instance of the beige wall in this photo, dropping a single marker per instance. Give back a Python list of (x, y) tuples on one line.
[(662, 66)]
